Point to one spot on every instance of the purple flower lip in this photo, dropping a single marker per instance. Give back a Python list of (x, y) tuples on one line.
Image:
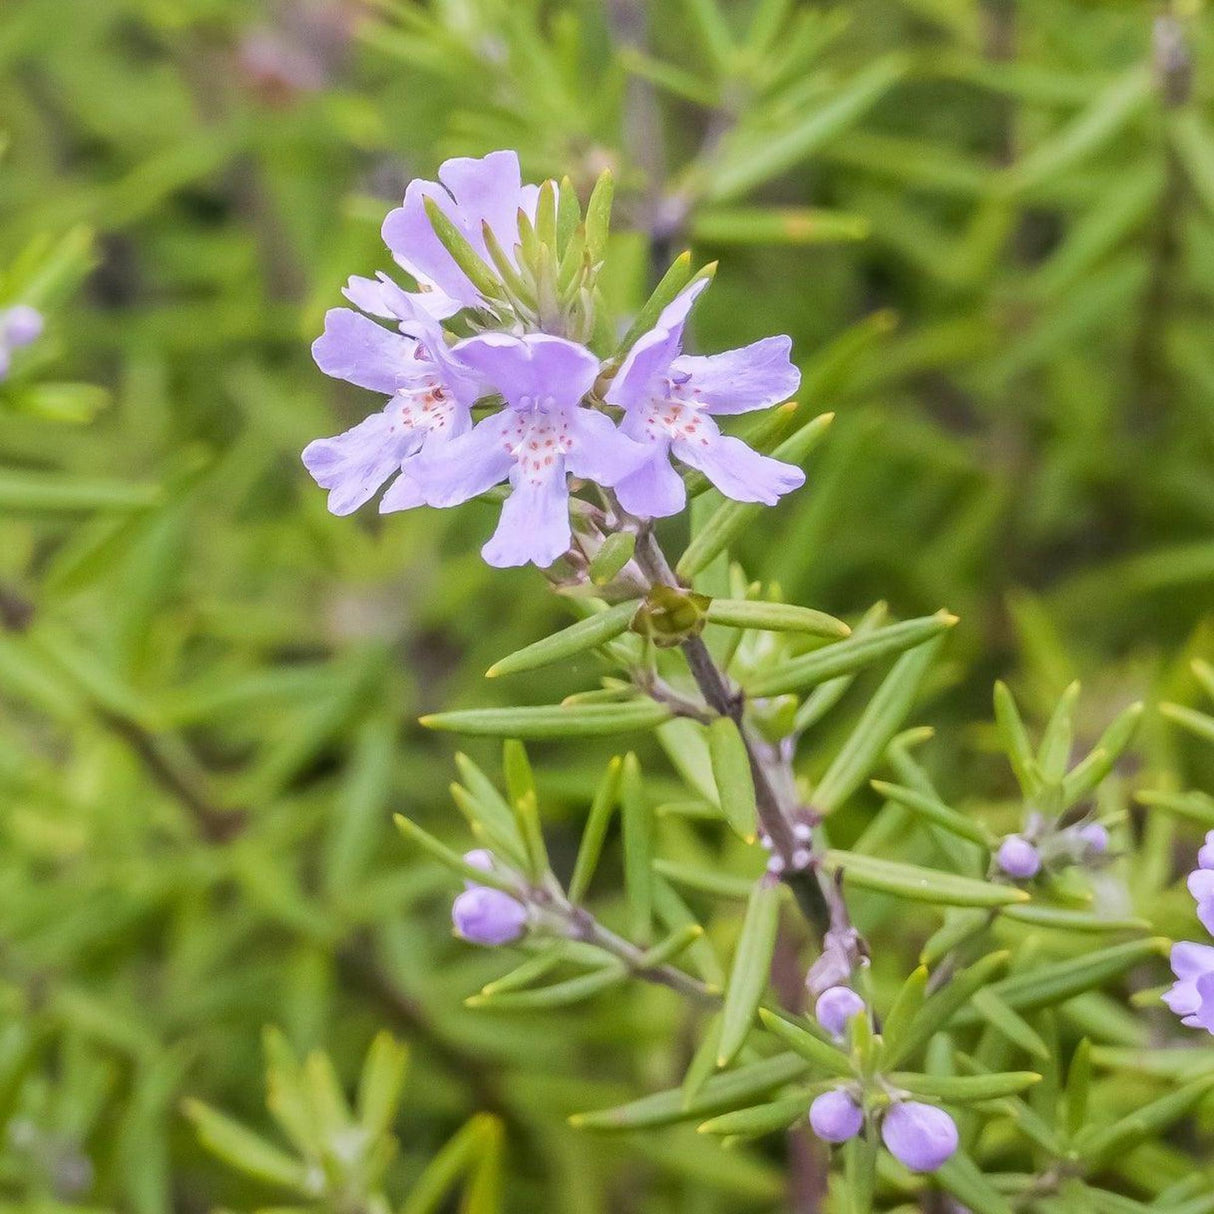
[(920, 1136), (1018, 858), (835, 1116), (1191, 997), (835, 1008)]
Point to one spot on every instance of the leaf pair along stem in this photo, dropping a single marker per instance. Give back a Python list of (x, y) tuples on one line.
[(782, 817)]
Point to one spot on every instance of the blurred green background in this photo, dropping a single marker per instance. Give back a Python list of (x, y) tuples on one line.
[(989, 229)]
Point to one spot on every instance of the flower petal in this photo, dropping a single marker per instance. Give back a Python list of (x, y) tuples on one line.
[(755, 377), (353, 465), (655, 489), (650, 358), (1182, 998), (598, 451), (736, 470), (358, 350), (535, 370), (380, 296), (534, 525), (453, 472), (1190, 961), (484, 190)]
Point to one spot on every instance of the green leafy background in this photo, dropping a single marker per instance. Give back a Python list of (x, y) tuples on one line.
[(989, 229)]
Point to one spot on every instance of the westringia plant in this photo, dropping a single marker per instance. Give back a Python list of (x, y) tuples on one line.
[(971, 1074)]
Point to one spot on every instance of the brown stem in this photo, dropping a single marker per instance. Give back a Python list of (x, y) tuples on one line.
[(785, 821)]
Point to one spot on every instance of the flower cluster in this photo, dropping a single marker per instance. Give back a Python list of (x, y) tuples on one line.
[(919, 1135), (547, 406), (1192, 995), (20, 326)]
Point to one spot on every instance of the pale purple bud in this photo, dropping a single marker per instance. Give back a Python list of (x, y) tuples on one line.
[(835, 1116), (5, 363), (1095, 837), (1205, 857), (21, 325), (1018, 857), (488, 916), (920, 1136), (835, 1008), (480, 857)]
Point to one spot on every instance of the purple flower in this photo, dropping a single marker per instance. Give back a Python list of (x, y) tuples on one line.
[(835, 1116), (1201, 886), (1192, 995), (472, 193), (20, 326), (478, 857), (1095, 837), (430, 397), (1205, 857), (543, 435), (920, 1136), (488, 916), (669, 400), (1018, 857), (835, 1007)]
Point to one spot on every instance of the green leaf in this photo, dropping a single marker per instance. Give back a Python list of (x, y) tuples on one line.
[(673, 281), (1066, 920), (731, 518), (849, 656), (962, 1177), (1016, 740), (586, 634), (1013, 1026), (244, 1150), (964, 1087), (751, 972), (1085, 776), (379, 1087), (938, 813), (598, 216), (538, 724), (1197, 723), (860, 1156), (735, 783), (1060, 980), (1078, 1088), (808, 1042), (443, 1172), (22, 490), (749, 158), (703, 1062), (760, 1119), (706, 880), (595, 830), (1108, 113), (882, 718), (775, 617), (531, 970), (561, 994), (1099, 1145), (731, 1090), (451, 859), (907, 1005), (462, 253), (918, 884), (1196, 806), (637, 817), (940, 1009), (616, 552), (1055, 749), (524, 803), (776, 225)]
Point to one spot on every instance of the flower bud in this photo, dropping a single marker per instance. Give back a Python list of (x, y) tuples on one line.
[(835, 1116), (835, 1008), (479, 857), (920, 1136), (1018, 858), (21, 325), (488, 916), (1205, 857), (1095, 837)]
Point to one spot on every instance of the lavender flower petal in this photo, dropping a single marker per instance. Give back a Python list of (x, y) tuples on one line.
[(738, 381), (488, 916), (835, 1116)]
